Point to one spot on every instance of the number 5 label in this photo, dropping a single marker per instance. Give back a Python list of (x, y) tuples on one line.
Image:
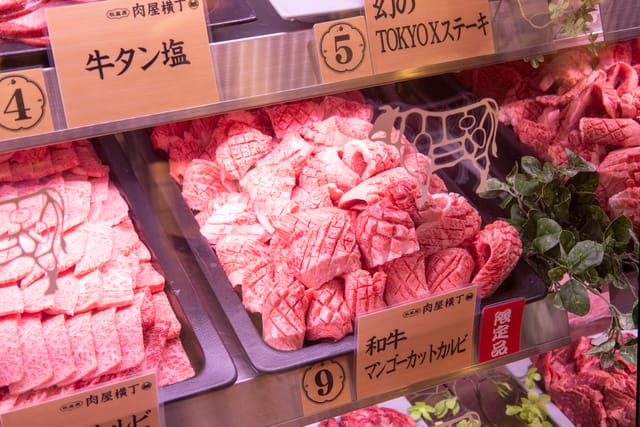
[(343, 49), (24, 109), (325, 385)]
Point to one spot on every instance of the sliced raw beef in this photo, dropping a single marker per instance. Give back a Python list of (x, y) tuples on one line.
[(284, 317), (241, 150), (10, 300), (56, 337), (293, 149), (606, 131), (336, 131), (66, 295), (117, 290), (90, 163), (99, 194), (142, 252), (328, 316), (270, 189), (326, 167), (148, 277), (155, 339), (369, 158), (405, 279), (322, 244), (164, 313), (35, 355), (89, 292), (75, 242), (627, 203), (364, 292), (77, 196), (235, 251), (129, 325), (97, 250), (496, 249), (294, 116), (229, 214), (202, 181), (15, 269), (447, 222), (113, 209), (107, 341), (384, 233), (82, 345), (618, 171), (321, 197), (394, 185), (175, 365), (342, 107), (36, 298), (371, 416), (11, 365), (125, 238), (449, 269), (143, 300)]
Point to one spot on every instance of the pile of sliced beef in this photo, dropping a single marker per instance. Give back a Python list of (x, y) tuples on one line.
[(369, 417), (588, 394), (314, 223), (109, 316), (579, 102)]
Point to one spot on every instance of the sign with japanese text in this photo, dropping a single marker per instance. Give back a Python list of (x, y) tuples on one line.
[(414, 342), (500, 328), (343, 49), (24, 109), (121, 59), (128, 403), (325, 385), (405, 34)]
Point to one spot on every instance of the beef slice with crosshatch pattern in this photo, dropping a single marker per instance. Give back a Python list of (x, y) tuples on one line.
[(496, 250), (405, 279), (326, 167), (284, 317), (364, 291), (329, 316), (241, 150), (294, 116), (448, 269), (269, 189)]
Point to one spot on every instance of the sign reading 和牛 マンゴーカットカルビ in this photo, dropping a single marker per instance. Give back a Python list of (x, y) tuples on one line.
[(123, 59), (406, 34)]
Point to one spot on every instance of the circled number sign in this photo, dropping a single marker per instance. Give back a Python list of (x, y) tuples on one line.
[(323, 382), (22, 103), (342, 47)]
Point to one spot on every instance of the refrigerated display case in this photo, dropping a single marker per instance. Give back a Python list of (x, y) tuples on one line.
[(262, 60)]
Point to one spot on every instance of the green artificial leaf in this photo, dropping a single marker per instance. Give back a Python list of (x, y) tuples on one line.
[(518, 217), (562, 207), (440, 409), (547, 175), (584, 182), (574, 297), (556, 274), (547, 235), (607, 360), (531, 166), (584, 255), (495, 188), (511, 176), (525, 185), (512, 410), (606, 346), (567, 241), (620, 229)]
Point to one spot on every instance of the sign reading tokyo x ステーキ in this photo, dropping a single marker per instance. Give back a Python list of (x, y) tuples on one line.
[(405, 34), (121, 59)]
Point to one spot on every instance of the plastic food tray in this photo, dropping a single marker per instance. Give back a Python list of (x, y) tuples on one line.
[(210, 360)]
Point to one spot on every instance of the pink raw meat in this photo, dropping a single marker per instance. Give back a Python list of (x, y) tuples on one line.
[(293, 149), (447, 222), (43, 167), (269, 189), (77, 196), (107, 341), (117, 290), (75, 243), (98, 249), (496, 249), (326, 167), (341, 107), (90, 163), (448, 270), (284, 317), (125, 237), (22, 171), (230, 214), (175, 365), (241, 150), (142, 252), (605, 131), (89, 292), (66, 295), (164, 313), (405, 279), (618, 171), (202, 181), (11, 366), (10, 300), (235, 251), (294, 116), (328, 316), (384, 233), (257, 280), (82, 346), (337, 131), (627, 202), (36, 298), (148, 277), (322, 197), (129, 325), (143, 300), (364, 292), (99, 193), (368, 158), (64, 158), (155, 339), (35, 356), (113, 209), (322, 244), (394, 185), (59, 346), (16, 269)]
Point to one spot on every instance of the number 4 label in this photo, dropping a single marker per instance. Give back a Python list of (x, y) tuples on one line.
[(343, 49), (24, 109), (325, 385)]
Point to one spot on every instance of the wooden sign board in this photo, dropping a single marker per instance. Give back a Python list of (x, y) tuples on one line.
[(405, 34), (121, 59)]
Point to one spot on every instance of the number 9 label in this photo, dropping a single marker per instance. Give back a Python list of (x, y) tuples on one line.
[(342, 47), (323, 382)]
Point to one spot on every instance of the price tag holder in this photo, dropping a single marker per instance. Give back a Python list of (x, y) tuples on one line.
[(325, 385), (412, 33), (500, 329), (413, 342), (24, 108), (343, 49), (128, 403), (121, 59)]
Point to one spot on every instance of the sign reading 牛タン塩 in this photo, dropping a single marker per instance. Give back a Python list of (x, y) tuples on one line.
[(405, 34), (414, 342), (24, 108), (121, 59), (131, 402), (500, 329)]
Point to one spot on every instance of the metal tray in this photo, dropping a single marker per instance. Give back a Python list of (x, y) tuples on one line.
[(210, 360)]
